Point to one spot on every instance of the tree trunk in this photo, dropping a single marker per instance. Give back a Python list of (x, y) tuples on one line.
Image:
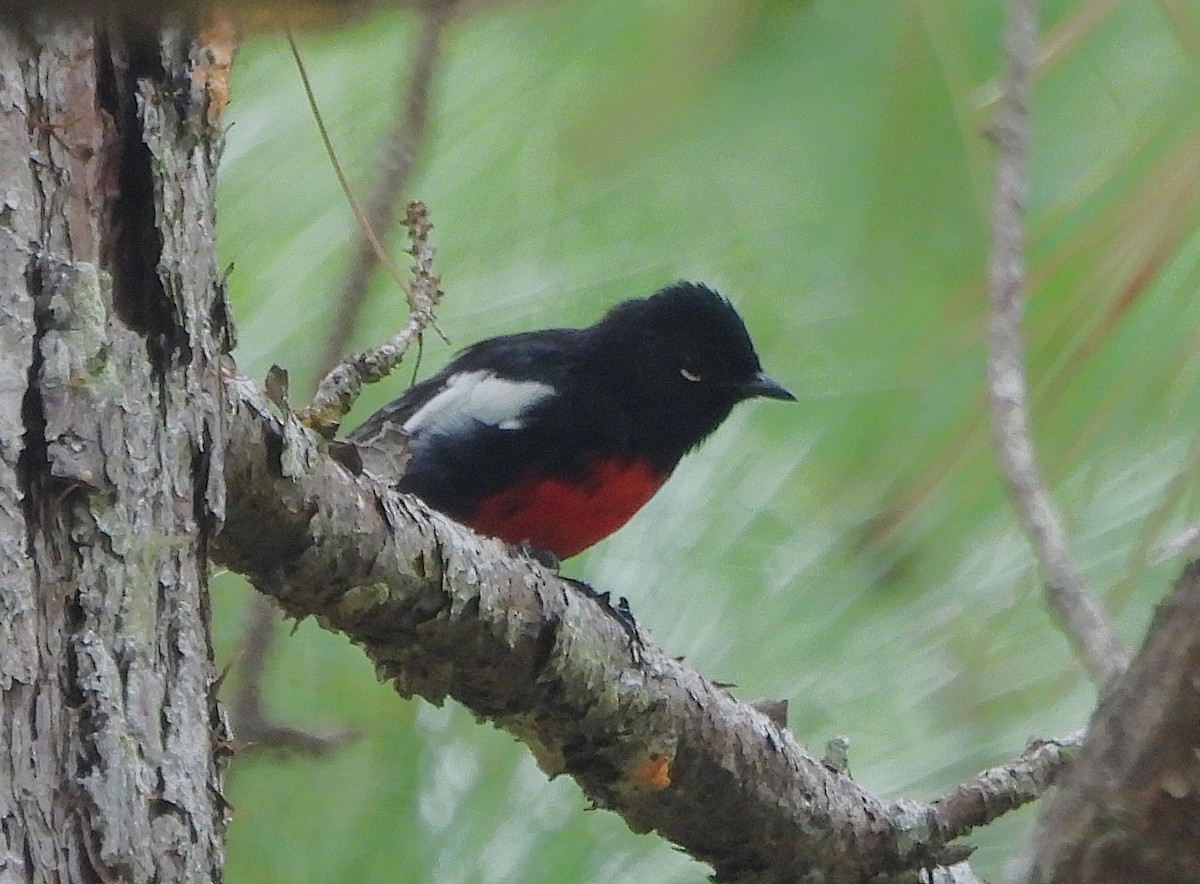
[(112, 325)]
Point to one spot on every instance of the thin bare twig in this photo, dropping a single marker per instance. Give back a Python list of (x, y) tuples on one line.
[(994, 792), (1186, 542), (1067, 592), (338, 390), (359, 214), (978, 801), (400, 155)]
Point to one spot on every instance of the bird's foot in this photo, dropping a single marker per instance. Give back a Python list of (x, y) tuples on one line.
[(543, 557), (619, 612)]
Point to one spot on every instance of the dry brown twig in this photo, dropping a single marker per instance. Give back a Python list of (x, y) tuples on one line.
[(338, 390), (1067, 592), (400, 155), (335, 395)]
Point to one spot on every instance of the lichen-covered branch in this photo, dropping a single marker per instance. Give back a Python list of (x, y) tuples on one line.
[(443, 613)]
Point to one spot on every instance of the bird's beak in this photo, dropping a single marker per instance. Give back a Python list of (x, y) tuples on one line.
[(767, 387)]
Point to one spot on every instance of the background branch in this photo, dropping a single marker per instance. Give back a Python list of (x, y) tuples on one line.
[(253, 726), (1067, 592), (253, 729)]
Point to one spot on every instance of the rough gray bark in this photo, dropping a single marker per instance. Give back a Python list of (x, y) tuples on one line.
[(1130, 808), (110, 468)]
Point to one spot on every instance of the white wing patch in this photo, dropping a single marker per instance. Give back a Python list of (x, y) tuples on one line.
[(477, 397)]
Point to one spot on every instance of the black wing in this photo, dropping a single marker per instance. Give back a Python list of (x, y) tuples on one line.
[(451, 437)]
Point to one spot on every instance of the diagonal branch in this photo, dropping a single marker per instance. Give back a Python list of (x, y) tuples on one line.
[(400, 154), (443, 613), (335, 394), (1067, 592)]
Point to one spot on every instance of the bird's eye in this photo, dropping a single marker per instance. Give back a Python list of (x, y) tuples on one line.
[(690, 372)]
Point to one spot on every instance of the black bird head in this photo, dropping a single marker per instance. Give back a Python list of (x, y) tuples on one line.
[(683, 358)]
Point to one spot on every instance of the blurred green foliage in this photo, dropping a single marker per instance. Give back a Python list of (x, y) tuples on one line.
[(825, 164)]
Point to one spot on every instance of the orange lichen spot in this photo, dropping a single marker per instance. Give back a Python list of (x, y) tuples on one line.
[(217, 41), (653, 773)]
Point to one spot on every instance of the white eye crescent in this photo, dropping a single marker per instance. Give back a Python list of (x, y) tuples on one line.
[(690, 375)]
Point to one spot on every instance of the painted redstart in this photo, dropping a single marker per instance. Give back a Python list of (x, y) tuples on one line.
[(555, 438)]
